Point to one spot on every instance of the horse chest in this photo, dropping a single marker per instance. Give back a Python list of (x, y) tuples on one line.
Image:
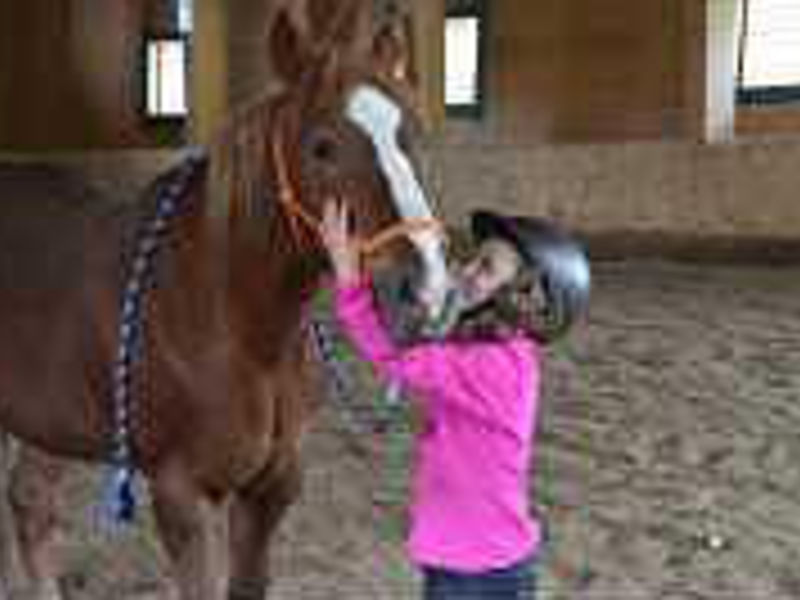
[(227, 416)]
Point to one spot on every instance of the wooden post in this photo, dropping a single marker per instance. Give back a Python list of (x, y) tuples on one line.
[(723, 25), (209, 81), (428, 17)]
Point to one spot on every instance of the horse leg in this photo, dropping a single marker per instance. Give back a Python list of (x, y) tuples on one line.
[(33, 496), (10, 565), (254, 516), (193, 530)]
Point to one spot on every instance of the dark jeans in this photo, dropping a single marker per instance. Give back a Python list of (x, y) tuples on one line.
[(517, 582)]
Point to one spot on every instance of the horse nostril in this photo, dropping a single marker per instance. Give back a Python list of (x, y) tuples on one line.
[(406, 292)]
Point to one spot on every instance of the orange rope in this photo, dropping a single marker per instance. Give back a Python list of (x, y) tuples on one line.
[(299, 216), (389, 234)]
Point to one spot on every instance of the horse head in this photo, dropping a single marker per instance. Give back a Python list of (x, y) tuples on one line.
[(338, 128)]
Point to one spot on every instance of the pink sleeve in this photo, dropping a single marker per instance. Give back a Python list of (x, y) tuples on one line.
[(485, 380), (417, 367)]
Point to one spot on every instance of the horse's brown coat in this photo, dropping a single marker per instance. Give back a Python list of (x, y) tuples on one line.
[(220, 396)]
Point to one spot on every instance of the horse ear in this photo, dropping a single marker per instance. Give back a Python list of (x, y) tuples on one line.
[(391, 53), (324, 14), (342, 25), (342, 34), (288, 47)]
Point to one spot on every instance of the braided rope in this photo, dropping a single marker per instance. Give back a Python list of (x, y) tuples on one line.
[(334, 356), (377, 429), (121, 494)]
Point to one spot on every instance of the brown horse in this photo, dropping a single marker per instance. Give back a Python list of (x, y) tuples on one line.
[(217, 406)]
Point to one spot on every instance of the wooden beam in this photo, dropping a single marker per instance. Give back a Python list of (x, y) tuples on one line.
[(722, 49), (210, 69), (428, 17)]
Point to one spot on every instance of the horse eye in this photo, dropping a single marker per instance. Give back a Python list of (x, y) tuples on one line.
[(323, 149)]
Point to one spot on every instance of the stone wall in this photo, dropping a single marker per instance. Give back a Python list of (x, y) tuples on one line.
[(738, 198)]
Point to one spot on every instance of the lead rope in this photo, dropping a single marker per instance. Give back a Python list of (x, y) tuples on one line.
[(120, 491), (333, 356), (378, 419), (387, 417)]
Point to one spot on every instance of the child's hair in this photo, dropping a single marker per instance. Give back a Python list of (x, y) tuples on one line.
[(513, 309)]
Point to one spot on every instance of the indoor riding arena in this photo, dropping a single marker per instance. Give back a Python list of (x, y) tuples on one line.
[(664, 135)]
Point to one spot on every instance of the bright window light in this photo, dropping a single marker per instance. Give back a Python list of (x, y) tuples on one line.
[(185, 16), (166, 78), (772, 44), (461, 61)]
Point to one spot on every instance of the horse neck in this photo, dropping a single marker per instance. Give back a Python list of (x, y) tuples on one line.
[(279, 280), (268, 273), (270, 277), (240, 279)]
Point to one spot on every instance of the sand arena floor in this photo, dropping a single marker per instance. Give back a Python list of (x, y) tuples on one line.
[(668, 463)]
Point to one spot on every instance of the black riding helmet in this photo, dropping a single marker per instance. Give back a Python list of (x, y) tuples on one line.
[(551, 252)]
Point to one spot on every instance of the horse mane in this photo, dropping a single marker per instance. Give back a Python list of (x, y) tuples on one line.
[(241, 171)]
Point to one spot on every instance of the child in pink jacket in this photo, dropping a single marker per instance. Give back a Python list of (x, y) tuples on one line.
[(472, 533)]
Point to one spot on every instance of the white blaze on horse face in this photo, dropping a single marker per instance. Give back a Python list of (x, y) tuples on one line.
[(380, 118)]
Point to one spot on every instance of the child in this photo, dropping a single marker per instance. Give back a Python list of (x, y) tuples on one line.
[(471, 532)]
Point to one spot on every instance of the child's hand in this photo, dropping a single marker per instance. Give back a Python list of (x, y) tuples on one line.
[(336, 236)]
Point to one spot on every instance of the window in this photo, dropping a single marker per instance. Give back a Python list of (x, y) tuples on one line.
[(464, 29), (769, 53), (167, 65), (185, 16), (166, 78)]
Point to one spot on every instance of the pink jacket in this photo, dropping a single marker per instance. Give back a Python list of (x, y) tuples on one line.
[(469, 507)]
